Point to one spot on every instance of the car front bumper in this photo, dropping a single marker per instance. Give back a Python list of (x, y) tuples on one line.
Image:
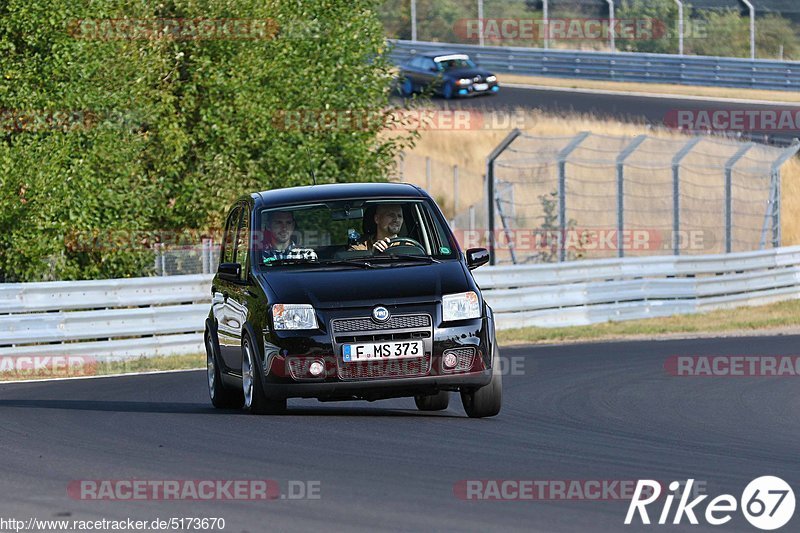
[(282, 354)]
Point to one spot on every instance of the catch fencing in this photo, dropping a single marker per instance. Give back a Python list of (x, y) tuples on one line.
[(592, 196), (126, 318)]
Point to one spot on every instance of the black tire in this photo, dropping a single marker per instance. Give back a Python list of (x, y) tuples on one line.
[(487, 400), (256, 402), (433, 402), (222, 397)]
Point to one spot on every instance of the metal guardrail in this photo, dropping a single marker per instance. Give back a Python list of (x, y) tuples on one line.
[(108, 319), (621, 66), (118, 319), (589, 292)]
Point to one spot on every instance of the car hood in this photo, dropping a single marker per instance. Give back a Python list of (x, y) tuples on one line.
[(355, 287), (468, 73)]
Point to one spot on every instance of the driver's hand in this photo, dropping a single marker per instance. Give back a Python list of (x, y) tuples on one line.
[(381, 245)]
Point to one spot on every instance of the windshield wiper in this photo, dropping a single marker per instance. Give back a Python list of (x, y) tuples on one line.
[(418, 258), (348, 262)]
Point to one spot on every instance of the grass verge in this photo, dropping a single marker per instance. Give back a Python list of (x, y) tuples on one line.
[(105, 368), (654, 88), (738, 321)]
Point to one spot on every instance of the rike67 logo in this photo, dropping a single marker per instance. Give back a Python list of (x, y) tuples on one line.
[(767, 503)]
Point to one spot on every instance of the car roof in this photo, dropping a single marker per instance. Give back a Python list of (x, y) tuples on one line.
[(437, 53), (337, 191)]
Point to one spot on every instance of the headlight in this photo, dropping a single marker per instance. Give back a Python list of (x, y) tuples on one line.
[(294, 316), (460, 306), (491, 79), (464, 81)]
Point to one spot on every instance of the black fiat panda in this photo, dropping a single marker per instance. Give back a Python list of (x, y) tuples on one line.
[(348, 292)]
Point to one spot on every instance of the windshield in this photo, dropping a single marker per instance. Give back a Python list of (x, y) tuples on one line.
[(354, 233), (449, 64)]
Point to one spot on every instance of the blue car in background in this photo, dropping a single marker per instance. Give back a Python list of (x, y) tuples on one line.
[(450, 74)]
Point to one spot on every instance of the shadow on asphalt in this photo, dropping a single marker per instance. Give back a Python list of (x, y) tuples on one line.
[(194, 408)]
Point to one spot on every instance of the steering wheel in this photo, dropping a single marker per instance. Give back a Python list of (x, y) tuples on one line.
[(407, 240)]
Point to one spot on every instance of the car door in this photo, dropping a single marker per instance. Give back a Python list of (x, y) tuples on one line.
[(236, 309), (226, 332), (415, 70), (429, 74)]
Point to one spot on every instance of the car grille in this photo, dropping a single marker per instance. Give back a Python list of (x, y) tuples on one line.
[(398, 327), (466, 356), (418, 366), (351, 325)]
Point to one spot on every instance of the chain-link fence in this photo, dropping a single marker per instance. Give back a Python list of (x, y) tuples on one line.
[(200, 259), (593, 196), (458, 191)]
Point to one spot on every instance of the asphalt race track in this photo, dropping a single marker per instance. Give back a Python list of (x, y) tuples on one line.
[(621, 107), (577, 412)]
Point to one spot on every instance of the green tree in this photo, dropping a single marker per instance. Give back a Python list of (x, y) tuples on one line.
[(163, 133), (663, 15), (728, 34)]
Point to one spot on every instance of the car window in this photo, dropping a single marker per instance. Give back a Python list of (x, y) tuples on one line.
[(429, 64), (242, 240), (449, 64), (320, 233), (231, 226)]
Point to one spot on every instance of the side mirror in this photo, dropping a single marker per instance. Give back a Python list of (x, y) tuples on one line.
[(230, 270), (477, 257)]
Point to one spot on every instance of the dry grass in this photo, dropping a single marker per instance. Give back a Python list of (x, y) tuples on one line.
[(649, 166), (655, 88)]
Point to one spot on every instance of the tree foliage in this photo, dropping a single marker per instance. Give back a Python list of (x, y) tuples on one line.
[(154, 135)]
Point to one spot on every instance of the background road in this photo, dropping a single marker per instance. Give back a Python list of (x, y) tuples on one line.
[(594, 411), (622, 107)]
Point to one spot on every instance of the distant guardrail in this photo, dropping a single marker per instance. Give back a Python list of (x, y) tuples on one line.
[(621, 66), (118, 319)]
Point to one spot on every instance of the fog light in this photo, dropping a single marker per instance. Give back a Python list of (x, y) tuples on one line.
[(316, 369), (450, 361)]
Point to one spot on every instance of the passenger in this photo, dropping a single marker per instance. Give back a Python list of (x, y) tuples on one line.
[(281, 226)]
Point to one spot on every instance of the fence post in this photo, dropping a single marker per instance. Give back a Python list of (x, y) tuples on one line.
[(504, 144), (676, 193), (471, 217), (414, 20), (455, 189), (774, 207), (204, 249), (623, 155), (729, 195), (428, 174), (562, 188)]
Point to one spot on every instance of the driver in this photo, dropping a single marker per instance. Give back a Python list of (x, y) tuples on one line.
[(388, 223)]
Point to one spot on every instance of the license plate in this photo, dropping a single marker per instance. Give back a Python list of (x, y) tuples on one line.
[(481, 86), (354, 353)]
